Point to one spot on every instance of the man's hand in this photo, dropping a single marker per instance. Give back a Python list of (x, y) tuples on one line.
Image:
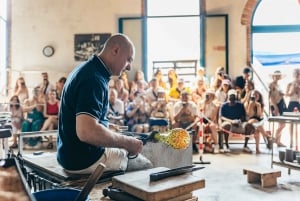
[(133, 146)]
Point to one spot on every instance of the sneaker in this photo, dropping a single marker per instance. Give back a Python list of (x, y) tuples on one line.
[(227, 150), (216, 149), (221, 150), (247, 150)]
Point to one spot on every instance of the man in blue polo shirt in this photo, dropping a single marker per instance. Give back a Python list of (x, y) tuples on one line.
[(233, 118), (84, 139)]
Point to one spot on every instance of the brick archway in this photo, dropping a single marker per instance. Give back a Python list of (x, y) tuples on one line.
[(246, 20)]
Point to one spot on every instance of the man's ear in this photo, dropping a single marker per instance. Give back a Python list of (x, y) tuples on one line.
[(116, 49)]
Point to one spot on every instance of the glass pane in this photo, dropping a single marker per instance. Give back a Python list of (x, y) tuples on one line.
[(277, 12), (3, 9), (277, 48), (173, 39), (172, 7), (2, 57)]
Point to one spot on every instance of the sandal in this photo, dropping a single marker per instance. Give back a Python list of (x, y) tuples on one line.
[(50, 145)]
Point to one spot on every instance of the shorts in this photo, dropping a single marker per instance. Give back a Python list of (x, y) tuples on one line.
[(112, 158), (239, 128)]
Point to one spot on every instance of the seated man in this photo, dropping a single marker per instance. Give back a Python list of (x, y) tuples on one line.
[(159, 116), (116, 110), (185, 115), (210, 115), (233, 119), (84, 139)]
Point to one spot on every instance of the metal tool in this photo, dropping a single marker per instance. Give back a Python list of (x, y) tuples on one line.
[(173, 172), (118, 195)]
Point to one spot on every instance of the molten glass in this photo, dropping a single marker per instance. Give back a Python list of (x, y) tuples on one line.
[(177, 138)]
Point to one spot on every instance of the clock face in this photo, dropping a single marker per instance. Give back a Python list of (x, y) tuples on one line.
[(48, 51)]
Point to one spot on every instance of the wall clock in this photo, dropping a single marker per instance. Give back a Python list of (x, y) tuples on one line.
[(48, 51)]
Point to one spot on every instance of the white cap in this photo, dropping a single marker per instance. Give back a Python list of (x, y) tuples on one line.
[(232, 92)]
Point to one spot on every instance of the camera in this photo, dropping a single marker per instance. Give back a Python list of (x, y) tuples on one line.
[(252, 98)]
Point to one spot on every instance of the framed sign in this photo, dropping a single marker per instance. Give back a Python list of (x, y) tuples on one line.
[(85, 45)]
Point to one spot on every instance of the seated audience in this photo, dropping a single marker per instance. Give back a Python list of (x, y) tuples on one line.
[(159, 117), (209, 111), (116, 110), (122, 92), (240, 81), (185, 115), (216, 81), (221, 93), (16, 118), (172, 79), (175, 92), (45, 85), (51, 108), (159, 76), (33, 107), (246, 91), (233, 119), (151, 93), (137, 113), (254, 109), (198, 92), (59, 86), (21, 90)]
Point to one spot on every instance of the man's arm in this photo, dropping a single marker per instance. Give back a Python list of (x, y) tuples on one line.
[(90, 131)]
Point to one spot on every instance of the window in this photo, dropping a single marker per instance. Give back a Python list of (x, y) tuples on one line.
[(276, 36), (173, 32), (3, 45)]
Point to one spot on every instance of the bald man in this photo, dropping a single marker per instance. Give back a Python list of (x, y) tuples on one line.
[(84, 139)]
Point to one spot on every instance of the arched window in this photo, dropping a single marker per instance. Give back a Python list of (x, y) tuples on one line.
[(276, 35)]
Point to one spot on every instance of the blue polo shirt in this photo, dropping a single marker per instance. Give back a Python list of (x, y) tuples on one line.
[(235, 111), (85, 92)]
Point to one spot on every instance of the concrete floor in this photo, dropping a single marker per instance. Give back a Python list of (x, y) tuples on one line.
[(225, 180)]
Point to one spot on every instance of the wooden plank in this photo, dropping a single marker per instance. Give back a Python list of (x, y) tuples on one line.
[(138, 184)]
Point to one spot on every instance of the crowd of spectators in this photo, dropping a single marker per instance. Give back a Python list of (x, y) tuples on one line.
[(166, 104)]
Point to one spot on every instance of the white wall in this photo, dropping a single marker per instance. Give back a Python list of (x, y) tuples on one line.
[(237, 31), (37, 23)]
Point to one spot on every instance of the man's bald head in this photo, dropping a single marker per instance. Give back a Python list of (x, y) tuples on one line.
[(118, 54)]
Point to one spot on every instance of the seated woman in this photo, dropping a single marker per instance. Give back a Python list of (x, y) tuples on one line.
[(138, 112), (16, 118), (34, 119), (254, 110), (51, 108)]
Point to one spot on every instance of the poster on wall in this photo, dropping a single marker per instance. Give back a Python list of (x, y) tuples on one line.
[(86, 45)]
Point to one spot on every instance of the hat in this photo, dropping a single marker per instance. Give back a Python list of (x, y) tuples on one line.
[(210, 91), (277, 73), (226, 81), (232, 92), (247, 70)]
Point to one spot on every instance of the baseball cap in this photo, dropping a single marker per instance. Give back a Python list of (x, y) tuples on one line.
[(247, 70), (232, 92), (226, 81)]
